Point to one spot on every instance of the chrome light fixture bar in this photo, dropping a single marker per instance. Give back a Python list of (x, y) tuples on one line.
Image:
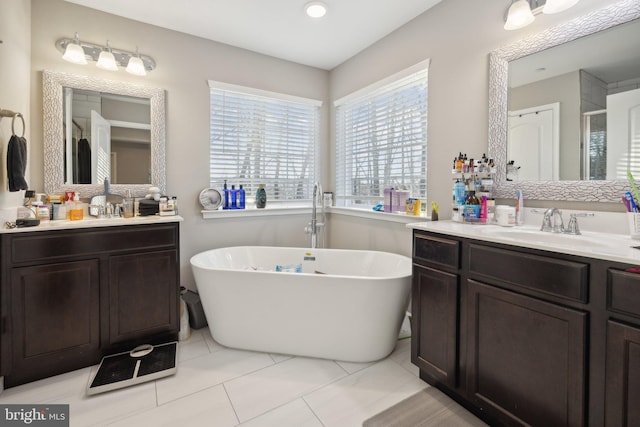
[(92, 52), (522, 12)]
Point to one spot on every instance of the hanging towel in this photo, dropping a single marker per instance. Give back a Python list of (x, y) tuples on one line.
[(84, 161), (17, 163)]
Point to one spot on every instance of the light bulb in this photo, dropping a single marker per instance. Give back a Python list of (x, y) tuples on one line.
[(136, 66), (106, 60), (74, 52), (519, 15), (555, 6)]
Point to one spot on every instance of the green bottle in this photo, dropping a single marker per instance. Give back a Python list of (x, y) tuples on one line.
[(261, 197)]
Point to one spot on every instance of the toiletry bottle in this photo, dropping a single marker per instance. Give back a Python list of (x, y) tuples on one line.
[(484, 211), (129, 206), (75, 211), (261, 197), (459, 162), (519, 208), (233, 204), (226, 196), (471, 210), (175, 204), (458, 192), (241, 198), (43, 213)]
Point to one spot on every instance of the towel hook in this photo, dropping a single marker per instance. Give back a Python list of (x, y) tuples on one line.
[(13, 122)]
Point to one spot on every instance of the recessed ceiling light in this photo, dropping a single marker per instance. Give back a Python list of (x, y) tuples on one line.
[(315, 9)]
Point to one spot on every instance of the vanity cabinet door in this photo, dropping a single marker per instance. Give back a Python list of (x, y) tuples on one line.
[(143, 295), (435, 324), (55, 316), (526, 358), (622, 387)]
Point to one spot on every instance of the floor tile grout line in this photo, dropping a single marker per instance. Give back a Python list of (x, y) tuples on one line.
[(301, 396), (312, 411), (226, 392)]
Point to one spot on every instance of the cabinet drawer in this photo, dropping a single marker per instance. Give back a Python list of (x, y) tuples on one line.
[(623, 292), (436, 250), (557, 277), (41, 246)]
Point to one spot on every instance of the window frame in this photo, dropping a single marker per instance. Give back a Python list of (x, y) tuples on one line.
[(368, 94), (286, 101)]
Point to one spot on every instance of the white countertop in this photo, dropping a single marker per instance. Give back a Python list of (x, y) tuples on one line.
[(94, 222), (591, 244)]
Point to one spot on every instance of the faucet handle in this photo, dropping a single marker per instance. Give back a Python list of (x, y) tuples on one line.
[(581, 214), (572, 227)]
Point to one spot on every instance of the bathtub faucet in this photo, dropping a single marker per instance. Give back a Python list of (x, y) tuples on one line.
[(314, 225)]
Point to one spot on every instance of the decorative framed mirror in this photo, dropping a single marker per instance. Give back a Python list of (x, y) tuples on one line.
[(607, 19), (59, 156)]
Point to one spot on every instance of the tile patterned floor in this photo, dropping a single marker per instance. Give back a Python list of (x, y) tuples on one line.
[(219, 386)]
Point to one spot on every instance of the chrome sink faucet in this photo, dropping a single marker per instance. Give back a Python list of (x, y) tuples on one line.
[(552, 221)]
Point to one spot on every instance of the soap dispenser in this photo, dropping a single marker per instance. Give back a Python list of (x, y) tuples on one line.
[(76, 211)]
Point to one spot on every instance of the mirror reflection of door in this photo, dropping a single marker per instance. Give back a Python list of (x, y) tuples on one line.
[(534, 142), (623, 136), (129, 119), (100, 148)]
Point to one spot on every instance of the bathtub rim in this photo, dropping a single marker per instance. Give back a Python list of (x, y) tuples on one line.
[(398, 276)]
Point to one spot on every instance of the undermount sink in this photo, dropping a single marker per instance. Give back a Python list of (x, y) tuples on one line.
[(543, 237)]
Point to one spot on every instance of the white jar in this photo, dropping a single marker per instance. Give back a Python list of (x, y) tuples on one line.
[(505, 215)]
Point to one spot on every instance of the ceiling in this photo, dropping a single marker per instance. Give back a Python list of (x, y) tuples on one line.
[(278, 28)]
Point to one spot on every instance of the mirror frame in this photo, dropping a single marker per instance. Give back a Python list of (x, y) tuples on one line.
[(586, 191), (53, 84)]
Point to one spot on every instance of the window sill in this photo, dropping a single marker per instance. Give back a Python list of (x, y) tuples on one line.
[(270, 210), (380, 216), (279, 210)]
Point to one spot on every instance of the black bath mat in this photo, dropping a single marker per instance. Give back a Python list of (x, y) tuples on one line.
[(142, 364)]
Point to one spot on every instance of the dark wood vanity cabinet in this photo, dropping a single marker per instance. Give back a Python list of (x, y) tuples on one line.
[(435, 303), (527, 337), (623, 349), (69, 297)]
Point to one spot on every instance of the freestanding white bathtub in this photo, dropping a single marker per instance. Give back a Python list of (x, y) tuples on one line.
[(345, 304)]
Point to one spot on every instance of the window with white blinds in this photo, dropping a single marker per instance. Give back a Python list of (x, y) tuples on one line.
[(258, 137), (381, 139)]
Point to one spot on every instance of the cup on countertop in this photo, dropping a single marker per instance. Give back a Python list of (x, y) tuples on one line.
[(634, 225)]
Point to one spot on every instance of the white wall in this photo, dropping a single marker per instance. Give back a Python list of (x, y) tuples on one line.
[(15, 62)]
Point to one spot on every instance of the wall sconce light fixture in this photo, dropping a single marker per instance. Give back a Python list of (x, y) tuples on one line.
[(106, 57), (522, 12)]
